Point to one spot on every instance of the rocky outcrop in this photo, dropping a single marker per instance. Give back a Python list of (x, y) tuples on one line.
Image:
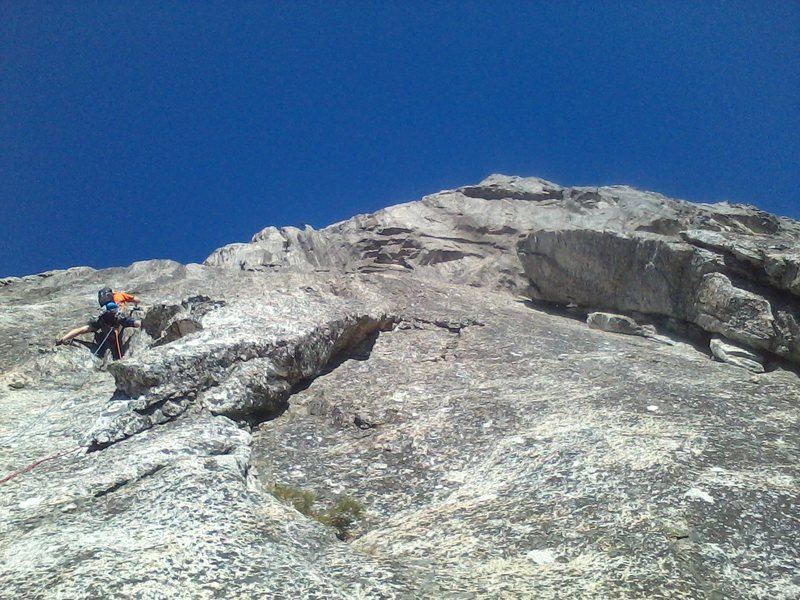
[(238, 366), (725, 351), (729, 269), (467, 235), (661, 277), (773, 259), (496, 448), (625, 325)]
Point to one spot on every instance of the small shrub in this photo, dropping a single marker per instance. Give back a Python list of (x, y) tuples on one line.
[(301, 500), (340, 516)]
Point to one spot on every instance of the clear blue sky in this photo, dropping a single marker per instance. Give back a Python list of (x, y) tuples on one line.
[(134, 130)]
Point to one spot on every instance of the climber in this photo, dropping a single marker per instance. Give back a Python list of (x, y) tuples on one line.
[(107, 328), (121, 299)]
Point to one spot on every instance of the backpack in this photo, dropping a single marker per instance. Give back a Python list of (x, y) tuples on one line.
[(105, 296), (108, 319)]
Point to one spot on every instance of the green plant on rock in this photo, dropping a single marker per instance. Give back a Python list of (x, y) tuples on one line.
[(301, 500), (340, 516)]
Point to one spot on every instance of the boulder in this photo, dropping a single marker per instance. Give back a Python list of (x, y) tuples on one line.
[(617, 324)]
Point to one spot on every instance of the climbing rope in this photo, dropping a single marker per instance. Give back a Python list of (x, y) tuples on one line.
[(27, 428), (103, 343), (39, 461), (36, 463)]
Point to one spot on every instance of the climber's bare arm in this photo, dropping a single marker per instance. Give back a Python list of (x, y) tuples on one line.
[(75, 333)]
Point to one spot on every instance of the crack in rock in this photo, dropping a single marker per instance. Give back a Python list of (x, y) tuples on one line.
[(117, 486)]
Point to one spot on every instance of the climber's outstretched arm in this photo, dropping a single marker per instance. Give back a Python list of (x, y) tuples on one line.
[(74, 333)]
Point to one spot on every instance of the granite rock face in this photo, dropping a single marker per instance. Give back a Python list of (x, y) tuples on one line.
[(467, 235), (496, 445), (662, 278), (728, 269)]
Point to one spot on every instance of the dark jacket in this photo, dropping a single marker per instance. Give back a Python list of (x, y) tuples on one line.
[(108, 319)]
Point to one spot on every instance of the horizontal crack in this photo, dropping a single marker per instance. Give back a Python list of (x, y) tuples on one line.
[(460, 240), (119, 485), (453, 326)]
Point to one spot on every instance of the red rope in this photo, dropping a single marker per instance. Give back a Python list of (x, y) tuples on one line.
[(116, 338), (36, 463)]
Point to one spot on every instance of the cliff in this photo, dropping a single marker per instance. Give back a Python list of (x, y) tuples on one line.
[(507, 390)]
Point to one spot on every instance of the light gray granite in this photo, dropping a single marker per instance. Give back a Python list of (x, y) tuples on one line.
[(500, 447)]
